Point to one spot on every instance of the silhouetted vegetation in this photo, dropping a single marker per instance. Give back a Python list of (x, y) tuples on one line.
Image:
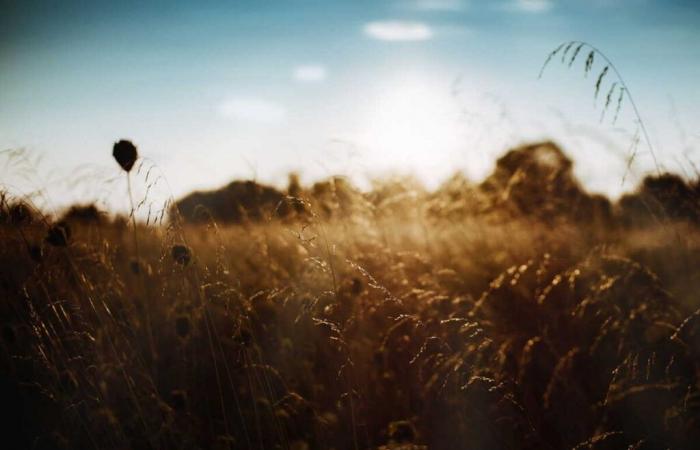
[(521, 312), (665, 196), (84, 214), (237, 202)]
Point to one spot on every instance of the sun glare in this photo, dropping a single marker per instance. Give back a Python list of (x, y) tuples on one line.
[(413, 125)]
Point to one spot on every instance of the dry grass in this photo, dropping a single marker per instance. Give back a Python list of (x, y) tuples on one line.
[(442, 319), (569, 52)]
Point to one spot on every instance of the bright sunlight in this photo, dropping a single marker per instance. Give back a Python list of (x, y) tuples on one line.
[(415, 123)]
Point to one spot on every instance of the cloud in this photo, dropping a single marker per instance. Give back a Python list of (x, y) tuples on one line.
[(252, 109), (437, 5), (310, 73), (531, 6), (398, 31)]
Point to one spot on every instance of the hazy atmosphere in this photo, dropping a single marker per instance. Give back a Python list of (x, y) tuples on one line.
[(212, 91), (360, 225)]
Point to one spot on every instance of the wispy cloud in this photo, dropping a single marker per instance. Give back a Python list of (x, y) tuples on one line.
[(398, 31), (252, 109), (435, 5), (310, 73), (530, 6)]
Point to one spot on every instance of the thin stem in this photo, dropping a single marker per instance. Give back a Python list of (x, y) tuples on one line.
[(133, 216), (331, 264), (144, 287), (629, 96), (623, 86)]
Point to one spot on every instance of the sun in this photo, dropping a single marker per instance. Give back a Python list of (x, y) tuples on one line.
[(413, 125)]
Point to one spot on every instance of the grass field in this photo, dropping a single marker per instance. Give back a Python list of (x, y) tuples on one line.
[(519, 313)]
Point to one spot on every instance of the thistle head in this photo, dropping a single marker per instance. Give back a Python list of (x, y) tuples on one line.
[(125, 153), (58, 235), (181, 254)]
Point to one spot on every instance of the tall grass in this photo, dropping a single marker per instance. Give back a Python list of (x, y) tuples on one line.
[(491, 316), (618, 90)]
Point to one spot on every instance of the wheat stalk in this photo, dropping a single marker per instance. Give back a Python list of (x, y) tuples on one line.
[(618, 84)]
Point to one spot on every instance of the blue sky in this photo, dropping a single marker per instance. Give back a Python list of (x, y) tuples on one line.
[(255, 89)]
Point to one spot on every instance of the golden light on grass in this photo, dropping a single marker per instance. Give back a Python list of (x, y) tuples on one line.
[(363, 319)]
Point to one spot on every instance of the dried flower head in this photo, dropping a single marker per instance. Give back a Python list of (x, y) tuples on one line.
[(125, 153), (58, 235), (402, 432), (181, 254)]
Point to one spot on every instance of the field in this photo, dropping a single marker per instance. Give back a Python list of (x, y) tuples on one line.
[(518, 313)]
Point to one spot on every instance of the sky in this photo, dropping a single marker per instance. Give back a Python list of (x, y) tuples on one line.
[(210, 91)]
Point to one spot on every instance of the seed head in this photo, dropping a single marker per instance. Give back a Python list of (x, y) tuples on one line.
[(125, 153), (181, 254), (402, 432), (58, 235)]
